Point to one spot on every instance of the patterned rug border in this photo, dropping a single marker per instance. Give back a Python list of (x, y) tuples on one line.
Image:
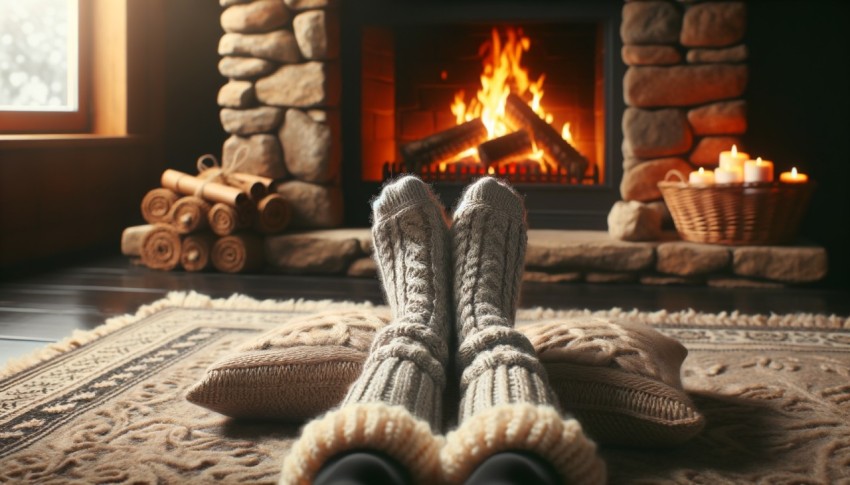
[(193, 299)]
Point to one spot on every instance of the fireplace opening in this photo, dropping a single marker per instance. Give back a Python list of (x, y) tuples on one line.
[(520, 102), (524, 92)]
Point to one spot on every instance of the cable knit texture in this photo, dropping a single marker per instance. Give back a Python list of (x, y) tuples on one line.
[(506, 401), (396, 402), (407, 361)]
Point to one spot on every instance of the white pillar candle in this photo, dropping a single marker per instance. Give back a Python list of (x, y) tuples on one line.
[(701, 177), (733, 159), (793, 177), (728, 176), (758, 170)]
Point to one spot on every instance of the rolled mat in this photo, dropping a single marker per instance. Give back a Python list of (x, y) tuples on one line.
[(273, 214), (161, 248), (255, 186), (224, 220), (189, 214), (132, 238), (238, 253), (186, 184), (157, 203), (196, 250)]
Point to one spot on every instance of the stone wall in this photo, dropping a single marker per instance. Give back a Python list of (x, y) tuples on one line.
[(683, 89), (280, 104)]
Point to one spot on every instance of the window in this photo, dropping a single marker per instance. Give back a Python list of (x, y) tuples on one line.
[(42, 78)]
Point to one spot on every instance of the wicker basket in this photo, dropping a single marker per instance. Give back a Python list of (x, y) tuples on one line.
[(737, 214)]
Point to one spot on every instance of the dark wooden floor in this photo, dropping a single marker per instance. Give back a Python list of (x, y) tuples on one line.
[(45, 305)]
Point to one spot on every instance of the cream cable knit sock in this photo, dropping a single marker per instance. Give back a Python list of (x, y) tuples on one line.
[(506, 401), (406, 365), (396, 402)]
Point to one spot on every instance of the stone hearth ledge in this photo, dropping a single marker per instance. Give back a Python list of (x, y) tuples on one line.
[(565, 256)]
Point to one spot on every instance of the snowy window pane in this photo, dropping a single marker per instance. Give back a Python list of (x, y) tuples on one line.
[(38, 55)]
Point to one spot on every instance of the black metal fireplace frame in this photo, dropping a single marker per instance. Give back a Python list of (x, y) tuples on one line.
[(550, 206)]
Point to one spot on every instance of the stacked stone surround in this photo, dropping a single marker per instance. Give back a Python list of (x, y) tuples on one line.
[(683, 88), (556, 256), (280, 103)]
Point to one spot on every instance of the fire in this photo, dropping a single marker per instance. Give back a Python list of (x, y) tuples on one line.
[(503, 73)]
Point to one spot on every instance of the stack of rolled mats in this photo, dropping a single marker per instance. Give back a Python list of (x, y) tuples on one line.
[(215, 219)]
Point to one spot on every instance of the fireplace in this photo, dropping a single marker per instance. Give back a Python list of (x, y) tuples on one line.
[(412, 87), (326, 96), (666, 93)]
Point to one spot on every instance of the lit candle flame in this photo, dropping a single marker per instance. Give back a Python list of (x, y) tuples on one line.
[(701, 170), (734, 151), (794, 172)]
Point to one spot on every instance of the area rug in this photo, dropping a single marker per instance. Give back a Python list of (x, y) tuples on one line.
[(107, 406)]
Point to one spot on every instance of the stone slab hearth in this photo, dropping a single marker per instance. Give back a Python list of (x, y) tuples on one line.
[(565, 256)]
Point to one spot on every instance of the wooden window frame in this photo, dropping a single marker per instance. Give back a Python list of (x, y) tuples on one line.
[(78, 121), (121, 77)]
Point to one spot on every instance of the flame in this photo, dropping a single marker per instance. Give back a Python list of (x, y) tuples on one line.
[(793, 172), (734, 151), (502, 74), (566, 134)]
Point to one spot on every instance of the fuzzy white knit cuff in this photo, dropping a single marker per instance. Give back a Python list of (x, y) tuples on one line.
[(391, 430), (522, 427)]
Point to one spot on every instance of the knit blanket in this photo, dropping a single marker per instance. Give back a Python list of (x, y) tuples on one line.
[(108, 405)]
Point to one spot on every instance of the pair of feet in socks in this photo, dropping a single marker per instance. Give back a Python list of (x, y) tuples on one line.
[(448, 285)]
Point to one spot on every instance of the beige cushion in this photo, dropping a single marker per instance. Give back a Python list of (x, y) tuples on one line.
[(620, 380), (294, 372)]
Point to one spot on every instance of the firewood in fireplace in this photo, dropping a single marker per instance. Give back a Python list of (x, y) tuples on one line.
[(519, 115), (506, 148), (443, 145)]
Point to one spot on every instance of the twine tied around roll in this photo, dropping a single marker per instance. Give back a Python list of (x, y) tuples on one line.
[(210, 170)]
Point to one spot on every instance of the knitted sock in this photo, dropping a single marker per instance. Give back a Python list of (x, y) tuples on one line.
[(394, 405), (506, 401)]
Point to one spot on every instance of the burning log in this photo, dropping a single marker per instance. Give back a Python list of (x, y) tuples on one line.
[(505, 148), (443, 145), (519, 115)]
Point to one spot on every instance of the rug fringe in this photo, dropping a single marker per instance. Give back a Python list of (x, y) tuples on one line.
[(193, 299), (692, 317), (174, 299)]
